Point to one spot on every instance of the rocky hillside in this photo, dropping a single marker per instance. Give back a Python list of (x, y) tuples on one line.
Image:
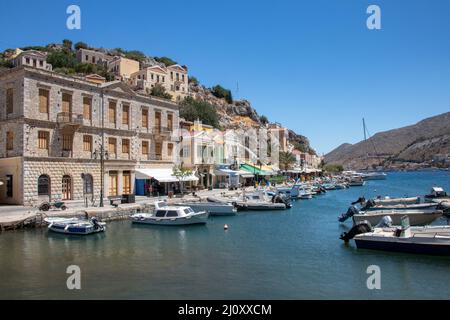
[(418, 145)]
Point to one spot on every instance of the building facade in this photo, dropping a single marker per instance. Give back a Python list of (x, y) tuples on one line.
[(54, 128)]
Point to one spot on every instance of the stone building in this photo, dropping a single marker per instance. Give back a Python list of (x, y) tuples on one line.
[(52, 131), (32, 58), (94, 57), (173, 78)]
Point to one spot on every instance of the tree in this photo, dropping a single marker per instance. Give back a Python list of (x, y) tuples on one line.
[(334, 168), (159, 91), (67, 44), (263, 119), (287, 159), (193, 110), (167, 61), (81, 45), (193, 80), (135, 55), (220, 92), (180, 173), (62, 59)]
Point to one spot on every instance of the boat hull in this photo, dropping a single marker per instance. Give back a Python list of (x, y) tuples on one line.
[(178, 221), (415, 219), (75, 230), (212, 208), (407, 246), (243, 206)]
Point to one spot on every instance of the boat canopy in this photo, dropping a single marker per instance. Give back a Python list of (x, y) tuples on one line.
[(161, 174)]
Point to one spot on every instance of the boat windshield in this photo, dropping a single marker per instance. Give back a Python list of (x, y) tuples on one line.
[(160, 213), (172, 213), (188, 210)]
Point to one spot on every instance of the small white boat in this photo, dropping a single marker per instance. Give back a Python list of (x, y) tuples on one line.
[(416, 217), (75, 225), (392, 201), (214, 208), (437, 194), (374, 176), (260, 201), (434, 240), (171, 216)]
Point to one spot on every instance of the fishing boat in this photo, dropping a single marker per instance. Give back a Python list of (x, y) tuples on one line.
[(416, 217), (75, 226), (370, 206), (432, 240), (329, 186), (214, 208), (260, 201), (341, 186), (393, 201), (356, 182), (170, 216), (374, 176)]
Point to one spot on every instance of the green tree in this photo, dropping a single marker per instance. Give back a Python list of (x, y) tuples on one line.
[(167, 61), (135, 55), (333, 168), (193, 80), (67, 44), (263, 119), (62, 59), (180, 173), (159, 91), (286, 159), (220, 92), (81, 45), (193, 110)]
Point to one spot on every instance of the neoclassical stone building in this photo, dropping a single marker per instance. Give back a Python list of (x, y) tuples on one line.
[(52, 128)]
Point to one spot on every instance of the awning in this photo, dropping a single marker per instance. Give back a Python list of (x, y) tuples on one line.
[(162, 175), (225, 172), (245, 174), (255, 170)]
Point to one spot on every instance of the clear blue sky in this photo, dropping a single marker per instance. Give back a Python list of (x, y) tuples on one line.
[(311, 65)]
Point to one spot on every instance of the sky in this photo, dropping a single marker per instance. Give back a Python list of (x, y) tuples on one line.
[(313, 66)]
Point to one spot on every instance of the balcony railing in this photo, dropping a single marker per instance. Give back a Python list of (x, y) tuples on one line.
[(69, 118), (162, 130)]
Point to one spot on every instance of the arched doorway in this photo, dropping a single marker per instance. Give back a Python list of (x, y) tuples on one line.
[(44, 187), (66, 187)]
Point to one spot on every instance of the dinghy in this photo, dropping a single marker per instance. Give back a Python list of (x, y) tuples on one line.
[(75, 225)]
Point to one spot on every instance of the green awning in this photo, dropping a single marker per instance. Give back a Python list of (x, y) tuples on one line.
[(252, 169)]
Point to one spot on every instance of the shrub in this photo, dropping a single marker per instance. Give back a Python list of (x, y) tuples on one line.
[(193, 110), (81, 45), (62, 59), (333, 168), (159, 91), (167, 61), (193, 80), (220, 92), (263, 119)]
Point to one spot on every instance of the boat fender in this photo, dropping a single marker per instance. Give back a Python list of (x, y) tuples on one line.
[(225, 227)]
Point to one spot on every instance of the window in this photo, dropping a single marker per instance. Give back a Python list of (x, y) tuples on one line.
[(158, 121), (9, 100), (67, 103), (171, 75), (112, 112), (169, 149), (126, 146), (160, 213), (67, 142), (9, 185), (88, 184), (43, 100), (125, 114), (163, 79), (185, 152), (87, 143), (41, 63), (178, 76), (9, 140), (43, 138), (157, 78), (66, 187), (126, 179), (171, 213), (112, 143), (87, 108), (170, 122), (182, 77), (145, 148), (27, 61), (158, 149), (87, 58), (44, 185), (144, 118), (113, 183)]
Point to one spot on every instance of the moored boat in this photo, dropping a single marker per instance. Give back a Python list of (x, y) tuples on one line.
[(416, 217), (75, 226), (171, 216), (214, 208)]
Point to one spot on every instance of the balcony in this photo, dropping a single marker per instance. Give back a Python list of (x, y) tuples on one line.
[(68, 121), (162, 132)]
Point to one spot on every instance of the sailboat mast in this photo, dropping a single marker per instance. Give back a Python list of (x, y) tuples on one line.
[(364, 128)]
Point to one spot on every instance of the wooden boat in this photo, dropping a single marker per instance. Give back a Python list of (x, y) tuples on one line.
[(392, 201), (416, 217)]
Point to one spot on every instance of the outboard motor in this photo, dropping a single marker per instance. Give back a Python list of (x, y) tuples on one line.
[(369, 204), (362, 227), (385, 222), (96, 224), (360, 200), (350, 213)]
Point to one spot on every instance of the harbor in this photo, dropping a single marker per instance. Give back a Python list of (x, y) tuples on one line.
[(283, 254)]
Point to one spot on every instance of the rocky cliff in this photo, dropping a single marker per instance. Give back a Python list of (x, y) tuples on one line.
[(427, 143)]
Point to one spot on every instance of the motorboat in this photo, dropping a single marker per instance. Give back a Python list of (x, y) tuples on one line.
[(261, 201), (75, 226), (214, 208), (356, 182), (373, 176), (329, 186), (170, 216), (416, 217), (433, 240), (437, 194), (340, 186), (369, 206)]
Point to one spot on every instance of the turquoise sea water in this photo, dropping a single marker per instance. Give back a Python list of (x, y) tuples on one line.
[(292, 254)]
